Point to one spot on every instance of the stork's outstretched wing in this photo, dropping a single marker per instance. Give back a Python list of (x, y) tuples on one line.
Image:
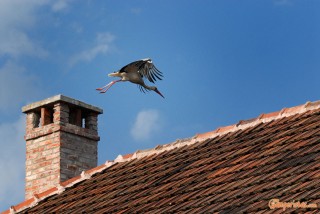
[(149, 71), (132, 67), (145, 68)]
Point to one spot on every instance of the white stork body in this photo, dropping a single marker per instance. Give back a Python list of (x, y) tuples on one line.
[(133, 77), (135, 72)]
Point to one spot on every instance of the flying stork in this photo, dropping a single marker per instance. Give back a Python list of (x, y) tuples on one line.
[(135, 72)]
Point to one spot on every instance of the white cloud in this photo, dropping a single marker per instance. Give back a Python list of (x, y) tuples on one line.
[(60, 5), (77, 27), (16, 18), (12, 162), (15, 43), (146, 124), (103, 44), (16, 86), (136, 10)]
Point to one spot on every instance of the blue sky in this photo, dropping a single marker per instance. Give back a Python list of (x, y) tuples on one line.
[(222, 61)]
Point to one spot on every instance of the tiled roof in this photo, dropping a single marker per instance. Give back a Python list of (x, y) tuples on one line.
[(234, 169)]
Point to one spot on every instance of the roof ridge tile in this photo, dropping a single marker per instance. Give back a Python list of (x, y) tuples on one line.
[(36, 198), (85, 175), (60, 189), (12, 210), (312, 105)]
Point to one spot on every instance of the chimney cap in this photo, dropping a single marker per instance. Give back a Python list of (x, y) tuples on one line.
[(60, 98)]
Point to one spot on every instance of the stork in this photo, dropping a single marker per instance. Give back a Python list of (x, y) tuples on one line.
[(135, 72)]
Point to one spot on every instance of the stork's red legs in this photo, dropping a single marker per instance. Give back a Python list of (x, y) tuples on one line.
[(105, 88)]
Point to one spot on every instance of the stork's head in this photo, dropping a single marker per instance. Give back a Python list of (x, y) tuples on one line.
[(115, 74)]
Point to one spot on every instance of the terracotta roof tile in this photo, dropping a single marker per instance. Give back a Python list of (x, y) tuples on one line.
[(233, 169)]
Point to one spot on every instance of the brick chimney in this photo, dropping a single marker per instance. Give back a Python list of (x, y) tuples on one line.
[(61, 141)]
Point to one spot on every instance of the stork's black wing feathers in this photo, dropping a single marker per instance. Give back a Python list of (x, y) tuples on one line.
[(156, 73), (131, 65), (143, 89), (149, 71)]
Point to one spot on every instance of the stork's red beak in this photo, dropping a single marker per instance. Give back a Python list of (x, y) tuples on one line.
[(158, 92)]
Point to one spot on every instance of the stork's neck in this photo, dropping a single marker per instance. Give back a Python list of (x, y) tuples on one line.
[(149, 87)]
